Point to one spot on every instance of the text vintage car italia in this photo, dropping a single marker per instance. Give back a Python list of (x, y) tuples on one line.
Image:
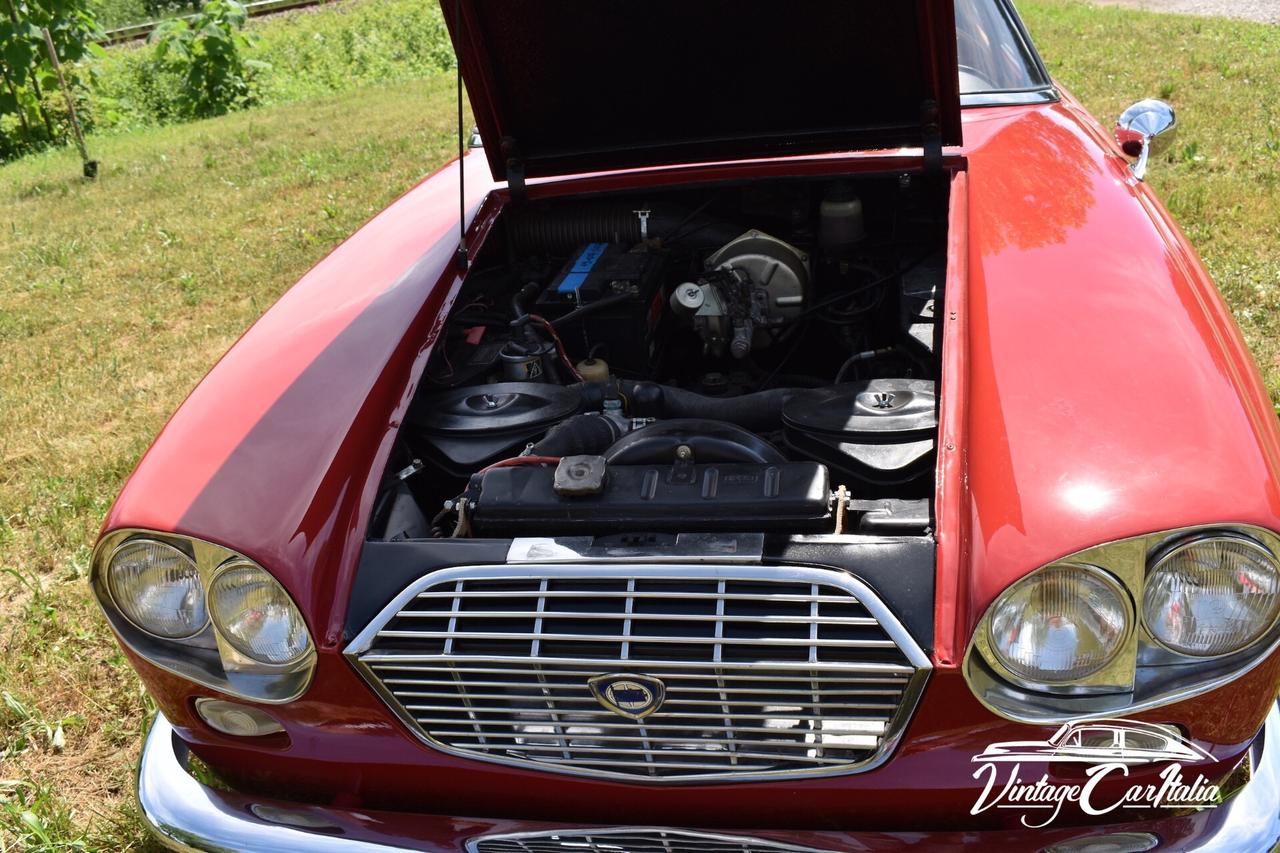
[(795, 420)]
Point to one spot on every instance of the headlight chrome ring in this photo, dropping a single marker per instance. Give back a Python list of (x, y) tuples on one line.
[(255, 615), (1059, 626), (158, 588), (1212, 595)]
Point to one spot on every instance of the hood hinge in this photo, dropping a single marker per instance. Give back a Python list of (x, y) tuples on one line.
[(515, 169), (931, 130)]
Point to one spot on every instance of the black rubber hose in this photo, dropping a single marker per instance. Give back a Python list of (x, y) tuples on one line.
[(579, 435), (761, 411)]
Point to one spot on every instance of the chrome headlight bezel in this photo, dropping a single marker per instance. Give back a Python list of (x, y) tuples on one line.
[(1162, 557), (206, 657), (1147, 674), (110, 581), (1116, 672), (224, 630)]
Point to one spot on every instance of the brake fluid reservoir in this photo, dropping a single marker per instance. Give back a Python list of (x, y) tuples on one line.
[(841, 224), (593, 370)]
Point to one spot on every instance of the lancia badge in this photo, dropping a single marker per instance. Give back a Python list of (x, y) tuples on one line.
[(627, 694)]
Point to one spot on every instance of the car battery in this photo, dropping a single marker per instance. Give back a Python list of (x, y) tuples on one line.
[(623, 330)]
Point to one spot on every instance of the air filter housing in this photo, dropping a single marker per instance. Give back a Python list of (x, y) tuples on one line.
[(881, 431)]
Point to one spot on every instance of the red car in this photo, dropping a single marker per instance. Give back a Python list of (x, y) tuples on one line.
[(795, 419)]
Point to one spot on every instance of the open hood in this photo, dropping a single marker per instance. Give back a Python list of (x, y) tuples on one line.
[(578, 85)]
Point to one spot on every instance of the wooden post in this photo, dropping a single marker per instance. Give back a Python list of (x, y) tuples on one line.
[(90, 166)]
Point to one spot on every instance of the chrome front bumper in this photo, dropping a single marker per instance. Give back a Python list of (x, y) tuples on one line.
[(187, 815)]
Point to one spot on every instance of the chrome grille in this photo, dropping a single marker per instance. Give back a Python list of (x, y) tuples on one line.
[(766, 670), (638, 840)]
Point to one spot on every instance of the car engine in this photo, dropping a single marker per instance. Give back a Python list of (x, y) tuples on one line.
[(747, 358)]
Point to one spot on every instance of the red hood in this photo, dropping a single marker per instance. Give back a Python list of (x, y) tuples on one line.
[(1109, 393), (579, 84)]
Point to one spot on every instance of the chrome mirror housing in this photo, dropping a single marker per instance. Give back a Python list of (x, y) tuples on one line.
[(1146, 128)]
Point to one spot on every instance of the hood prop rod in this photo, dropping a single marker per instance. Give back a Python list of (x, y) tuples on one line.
[(462, 255)]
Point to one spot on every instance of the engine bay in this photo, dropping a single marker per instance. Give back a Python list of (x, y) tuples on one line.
[(755, 357)]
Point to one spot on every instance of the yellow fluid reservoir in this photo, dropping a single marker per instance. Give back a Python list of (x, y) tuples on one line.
[(593, 369)]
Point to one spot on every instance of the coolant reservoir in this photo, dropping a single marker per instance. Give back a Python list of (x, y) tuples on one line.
[(840, 220), (593, 369)]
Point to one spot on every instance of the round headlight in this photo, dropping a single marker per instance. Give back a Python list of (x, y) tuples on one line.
[(256, 616), (1212, 596), (157, 588), (1059, 625)]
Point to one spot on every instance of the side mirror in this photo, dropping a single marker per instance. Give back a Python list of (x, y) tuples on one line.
[(1148, 127)]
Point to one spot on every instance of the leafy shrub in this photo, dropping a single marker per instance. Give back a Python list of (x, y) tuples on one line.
[(335, 48), (32, 112), (206, 51)]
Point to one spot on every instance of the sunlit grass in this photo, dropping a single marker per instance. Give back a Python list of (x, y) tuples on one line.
[(1221, 179), (116, 296)]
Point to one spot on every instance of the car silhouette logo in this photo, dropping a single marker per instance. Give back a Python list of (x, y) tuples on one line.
[(1128, 742), (627, 694)]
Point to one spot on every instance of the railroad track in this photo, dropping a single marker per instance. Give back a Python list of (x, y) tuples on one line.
[(134, 32)]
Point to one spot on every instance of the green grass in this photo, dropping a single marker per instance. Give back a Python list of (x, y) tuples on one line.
[(1221, 178), (116, 296), (310, 52)]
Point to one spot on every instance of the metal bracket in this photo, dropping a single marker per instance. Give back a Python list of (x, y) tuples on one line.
[(515, 169), (932, 136)]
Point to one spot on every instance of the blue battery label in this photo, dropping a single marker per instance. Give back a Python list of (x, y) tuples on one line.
[(578, 274)]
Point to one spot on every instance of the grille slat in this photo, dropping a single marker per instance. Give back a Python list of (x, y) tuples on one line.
[(890, 687), (639, 840), (661, 617), (738, 742), (766, 671), (658, 727), (697, 703), (776, 697), (622, 638), (396, 661)]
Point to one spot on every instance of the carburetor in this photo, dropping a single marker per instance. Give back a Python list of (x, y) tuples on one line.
[(752, 283)]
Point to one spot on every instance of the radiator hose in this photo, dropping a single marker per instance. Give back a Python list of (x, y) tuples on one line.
[(759, 412)]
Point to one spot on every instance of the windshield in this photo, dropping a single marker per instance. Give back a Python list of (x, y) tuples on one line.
[(995, 55)]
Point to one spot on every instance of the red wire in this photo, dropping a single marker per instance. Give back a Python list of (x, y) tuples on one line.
[(564, 356), (522, 460)]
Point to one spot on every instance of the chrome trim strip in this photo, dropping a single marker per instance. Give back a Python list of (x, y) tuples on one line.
[(188, 816), (917, 674), (1011, 98)]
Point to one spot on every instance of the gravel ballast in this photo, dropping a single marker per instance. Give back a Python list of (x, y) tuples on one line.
[(1267, 11)]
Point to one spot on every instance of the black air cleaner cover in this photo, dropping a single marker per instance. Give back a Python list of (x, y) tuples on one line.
[(477, 424), (882, 430)]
